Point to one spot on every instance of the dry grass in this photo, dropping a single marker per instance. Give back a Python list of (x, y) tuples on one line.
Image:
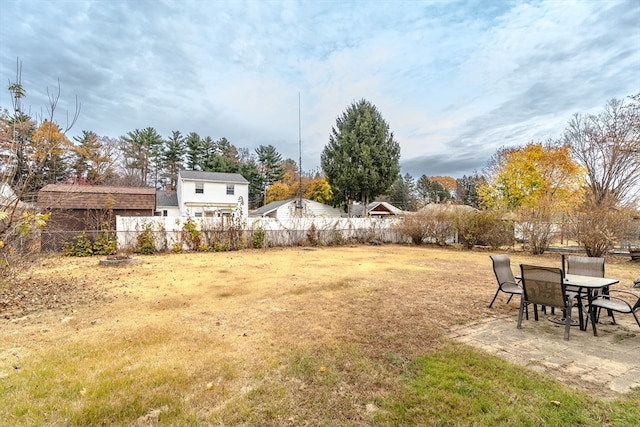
[(240, 337)]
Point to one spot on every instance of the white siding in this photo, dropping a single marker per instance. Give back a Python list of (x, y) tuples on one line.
[(213, 199)]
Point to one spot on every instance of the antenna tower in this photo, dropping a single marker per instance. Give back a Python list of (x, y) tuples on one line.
[(299, 204)]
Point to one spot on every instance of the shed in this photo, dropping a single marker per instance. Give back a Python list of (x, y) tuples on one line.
[(89, 208)]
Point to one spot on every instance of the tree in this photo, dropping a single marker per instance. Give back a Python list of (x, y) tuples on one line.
[(173, 157), (50, 151), (361, 160), (447, 182), (249, 170), (607, 145), (223, 156), (194, 151), (141, 150), (320, 191), (431, 191), (34, 153), (93, 162), (539, 183), (402, 193), (269, 165), (467, 190)]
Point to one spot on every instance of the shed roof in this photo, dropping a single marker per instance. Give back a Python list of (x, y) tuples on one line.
[(73, 196)]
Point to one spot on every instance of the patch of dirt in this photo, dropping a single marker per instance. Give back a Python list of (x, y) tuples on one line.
[(28, 296)]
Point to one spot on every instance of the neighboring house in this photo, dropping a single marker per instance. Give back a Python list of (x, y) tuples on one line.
[(212, 194), (77, 208), (292, 208), (377, 210), (167, 202)]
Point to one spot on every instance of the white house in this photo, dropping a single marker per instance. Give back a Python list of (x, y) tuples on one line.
[(167, 202), (296, 208), (211, 194)]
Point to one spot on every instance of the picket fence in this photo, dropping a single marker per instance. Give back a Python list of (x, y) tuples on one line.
[(169, 234)]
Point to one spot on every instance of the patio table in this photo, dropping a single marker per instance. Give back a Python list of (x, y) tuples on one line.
[(588, 284)]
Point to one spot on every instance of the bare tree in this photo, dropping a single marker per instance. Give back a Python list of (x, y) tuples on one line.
[(608, 146), (25, 163)]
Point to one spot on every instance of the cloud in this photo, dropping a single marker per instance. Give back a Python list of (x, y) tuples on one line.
[(455, 80)]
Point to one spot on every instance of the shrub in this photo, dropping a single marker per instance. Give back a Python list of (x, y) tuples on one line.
[(104, 244), (80, 246), (598, 225), (258, 238), (493, 229), (312, 235), (191, 234), (145, 241), (467, 224), (412, 226)]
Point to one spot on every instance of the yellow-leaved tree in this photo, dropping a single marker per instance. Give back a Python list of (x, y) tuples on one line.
[(539, 184)]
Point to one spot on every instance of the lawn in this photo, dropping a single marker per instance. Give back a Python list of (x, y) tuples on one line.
[(339, 336)]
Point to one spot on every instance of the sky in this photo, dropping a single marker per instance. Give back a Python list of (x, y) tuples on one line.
[(454, 80)]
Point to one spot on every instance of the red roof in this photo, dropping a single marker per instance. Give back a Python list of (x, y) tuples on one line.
[(65, 196)]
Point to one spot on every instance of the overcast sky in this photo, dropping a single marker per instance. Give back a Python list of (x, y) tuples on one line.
[(455, 80)]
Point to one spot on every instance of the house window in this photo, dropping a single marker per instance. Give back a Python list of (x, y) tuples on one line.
[(230, 190), (199, 187), (197, 214)]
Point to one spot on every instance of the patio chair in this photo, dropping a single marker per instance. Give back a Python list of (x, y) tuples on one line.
[(619, 301), (506, 282), (544, 286), (584, 266)]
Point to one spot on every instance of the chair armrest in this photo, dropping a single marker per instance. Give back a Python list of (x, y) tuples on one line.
[(620, 291), (510, 283), (609, 297)]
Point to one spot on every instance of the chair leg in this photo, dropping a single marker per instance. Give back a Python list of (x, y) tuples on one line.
[(522, 304), (494, 297), (509, 300), (580, 308), (592, 316), (567, 324)]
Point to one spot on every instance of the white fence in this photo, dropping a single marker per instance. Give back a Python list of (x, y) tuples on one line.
[(169, 234)]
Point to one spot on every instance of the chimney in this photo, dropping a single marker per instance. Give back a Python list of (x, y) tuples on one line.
[(167, 188)]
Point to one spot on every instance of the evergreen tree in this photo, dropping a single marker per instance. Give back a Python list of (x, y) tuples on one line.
[(467, 190), (141, 151), (194, 151), (173, 157), (361, 160), (269, 166)]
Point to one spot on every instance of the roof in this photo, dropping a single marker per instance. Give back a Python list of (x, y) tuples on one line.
[(270, 207), (164, 199), (383, 208), (235, 178), (447, 207), (377, 208), (73, 196), (311, 208)]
